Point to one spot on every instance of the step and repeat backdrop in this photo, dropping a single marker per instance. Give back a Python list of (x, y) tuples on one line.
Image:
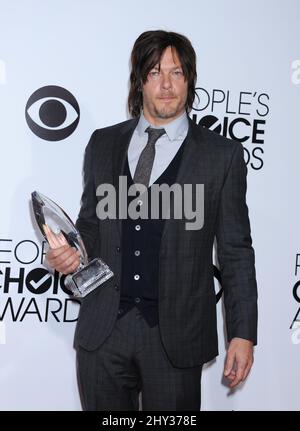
[(64, 71)]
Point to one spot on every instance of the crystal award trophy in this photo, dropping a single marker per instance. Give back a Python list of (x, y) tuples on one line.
[(89, 275)]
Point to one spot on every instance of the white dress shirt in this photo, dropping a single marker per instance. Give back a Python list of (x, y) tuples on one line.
[(166, 146)]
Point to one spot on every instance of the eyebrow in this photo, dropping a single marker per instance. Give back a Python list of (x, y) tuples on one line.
[(172, 68)]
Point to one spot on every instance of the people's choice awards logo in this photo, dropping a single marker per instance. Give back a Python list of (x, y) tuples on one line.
[(28, 290), (238, 115), (52, 113)]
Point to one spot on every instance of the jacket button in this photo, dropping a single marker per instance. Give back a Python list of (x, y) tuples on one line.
[(118, 249)]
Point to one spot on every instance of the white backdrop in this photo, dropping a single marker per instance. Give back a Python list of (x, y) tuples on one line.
[(248, 71)]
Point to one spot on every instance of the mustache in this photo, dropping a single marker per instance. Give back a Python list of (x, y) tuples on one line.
[(164, 96)]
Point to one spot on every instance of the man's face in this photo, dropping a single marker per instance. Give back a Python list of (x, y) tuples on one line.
[(165, 91)]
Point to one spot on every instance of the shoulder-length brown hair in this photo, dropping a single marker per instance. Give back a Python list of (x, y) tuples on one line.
[(147, 52)]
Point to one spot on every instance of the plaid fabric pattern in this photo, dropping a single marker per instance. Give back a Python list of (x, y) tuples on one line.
[(132, 362)]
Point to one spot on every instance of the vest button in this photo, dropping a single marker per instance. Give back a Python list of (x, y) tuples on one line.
[(136, 277), (117, 287), (137, 300), (118, 249), (137, 227), (137, 252)]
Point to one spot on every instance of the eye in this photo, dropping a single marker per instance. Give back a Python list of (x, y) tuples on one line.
[(52, 113), (177, 73), (153, 73)]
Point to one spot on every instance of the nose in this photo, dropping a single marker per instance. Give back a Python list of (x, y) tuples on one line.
[(166, 82)]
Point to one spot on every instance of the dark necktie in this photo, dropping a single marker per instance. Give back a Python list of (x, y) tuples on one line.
[(144, 167)]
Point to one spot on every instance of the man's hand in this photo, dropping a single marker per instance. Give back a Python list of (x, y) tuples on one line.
[(61, 256), (239, 360)]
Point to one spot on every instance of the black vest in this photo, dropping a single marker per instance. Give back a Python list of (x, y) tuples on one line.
[(140, 252)]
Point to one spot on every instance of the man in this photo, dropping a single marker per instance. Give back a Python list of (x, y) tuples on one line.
[(153, 325)]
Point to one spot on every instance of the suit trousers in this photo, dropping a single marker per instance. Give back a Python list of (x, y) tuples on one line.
[(131, 360)]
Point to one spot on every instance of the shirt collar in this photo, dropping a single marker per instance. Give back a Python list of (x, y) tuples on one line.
[(174, 130)]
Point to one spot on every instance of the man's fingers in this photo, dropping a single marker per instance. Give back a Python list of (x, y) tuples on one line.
[(64, 259), (238, 377), (54, 240), (239, 360), (61, 238), (49, 236), (243, 368), (229, 364), (232, 375), (70, 268), (55, 253), (247, 370), (70, 258)]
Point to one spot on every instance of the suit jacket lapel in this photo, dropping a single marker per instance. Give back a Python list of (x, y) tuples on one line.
[(192, 159), (119, 158)]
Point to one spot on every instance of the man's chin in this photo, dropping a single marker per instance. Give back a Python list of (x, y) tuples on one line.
[(165, 115)]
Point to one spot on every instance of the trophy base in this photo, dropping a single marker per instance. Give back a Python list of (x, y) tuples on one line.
[(88, 278)]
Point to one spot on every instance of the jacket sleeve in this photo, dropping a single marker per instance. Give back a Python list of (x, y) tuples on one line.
[(235, 253), (87, 222)]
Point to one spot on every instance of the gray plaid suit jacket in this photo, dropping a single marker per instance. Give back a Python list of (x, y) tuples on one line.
[(187, 302)]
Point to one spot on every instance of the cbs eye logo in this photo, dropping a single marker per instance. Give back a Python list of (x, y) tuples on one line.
[(52, 113)]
